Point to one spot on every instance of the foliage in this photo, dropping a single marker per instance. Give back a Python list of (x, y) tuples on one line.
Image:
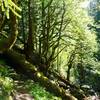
[(6, 83), (58, 35), (6, 86), (7, 5), (5, 70), (39, 92)]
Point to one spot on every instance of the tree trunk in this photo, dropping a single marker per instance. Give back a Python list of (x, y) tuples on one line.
[(19, 63), (68, 72), (8, 44)]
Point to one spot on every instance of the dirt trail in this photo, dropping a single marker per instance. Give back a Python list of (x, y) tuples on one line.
[(21, 93)]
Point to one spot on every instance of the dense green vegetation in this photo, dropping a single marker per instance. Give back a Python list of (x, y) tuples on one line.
[(50, 49), (8, 85)]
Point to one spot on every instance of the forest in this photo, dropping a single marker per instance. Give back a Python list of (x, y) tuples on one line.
[(49, 49)]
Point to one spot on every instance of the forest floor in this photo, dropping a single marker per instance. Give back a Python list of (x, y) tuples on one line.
[(21, 92), (26, 89)]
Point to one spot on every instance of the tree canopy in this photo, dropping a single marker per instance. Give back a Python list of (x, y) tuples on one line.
[(52, 42)]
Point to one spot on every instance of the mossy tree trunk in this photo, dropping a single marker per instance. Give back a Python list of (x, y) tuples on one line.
[(8, 43), (19, 63)]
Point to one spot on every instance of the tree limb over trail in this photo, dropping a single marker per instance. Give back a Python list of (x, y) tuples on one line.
[(19, 63), (74, 90)]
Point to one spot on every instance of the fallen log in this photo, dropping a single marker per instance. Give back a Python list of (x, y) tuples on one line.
[(19, 63), (74, 90)]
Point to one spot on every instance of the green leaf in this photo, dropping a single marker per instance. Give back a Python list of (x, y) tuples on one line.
[(14, 12), (14, 5)]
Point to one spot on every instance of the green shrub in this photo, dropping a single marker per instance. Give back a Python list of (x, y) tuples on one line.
[(6, 83), (6, 87), (39, 93)]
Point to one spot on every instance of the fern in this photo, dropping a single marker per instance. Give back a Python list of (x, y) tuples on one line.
[(7, 5)]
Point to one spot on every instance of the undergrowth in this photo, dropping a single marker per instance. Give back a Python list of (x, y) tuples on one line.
[(7, 78)]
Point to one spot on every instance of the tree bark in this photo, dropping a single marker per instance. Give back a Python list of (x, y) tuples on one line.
[(8, 43), (19, 63), (29, 45)]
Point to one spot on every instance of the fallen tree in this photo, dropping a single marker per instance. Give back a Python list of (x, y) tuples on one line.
[(35, 60), (19, 63), (74, 90)]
